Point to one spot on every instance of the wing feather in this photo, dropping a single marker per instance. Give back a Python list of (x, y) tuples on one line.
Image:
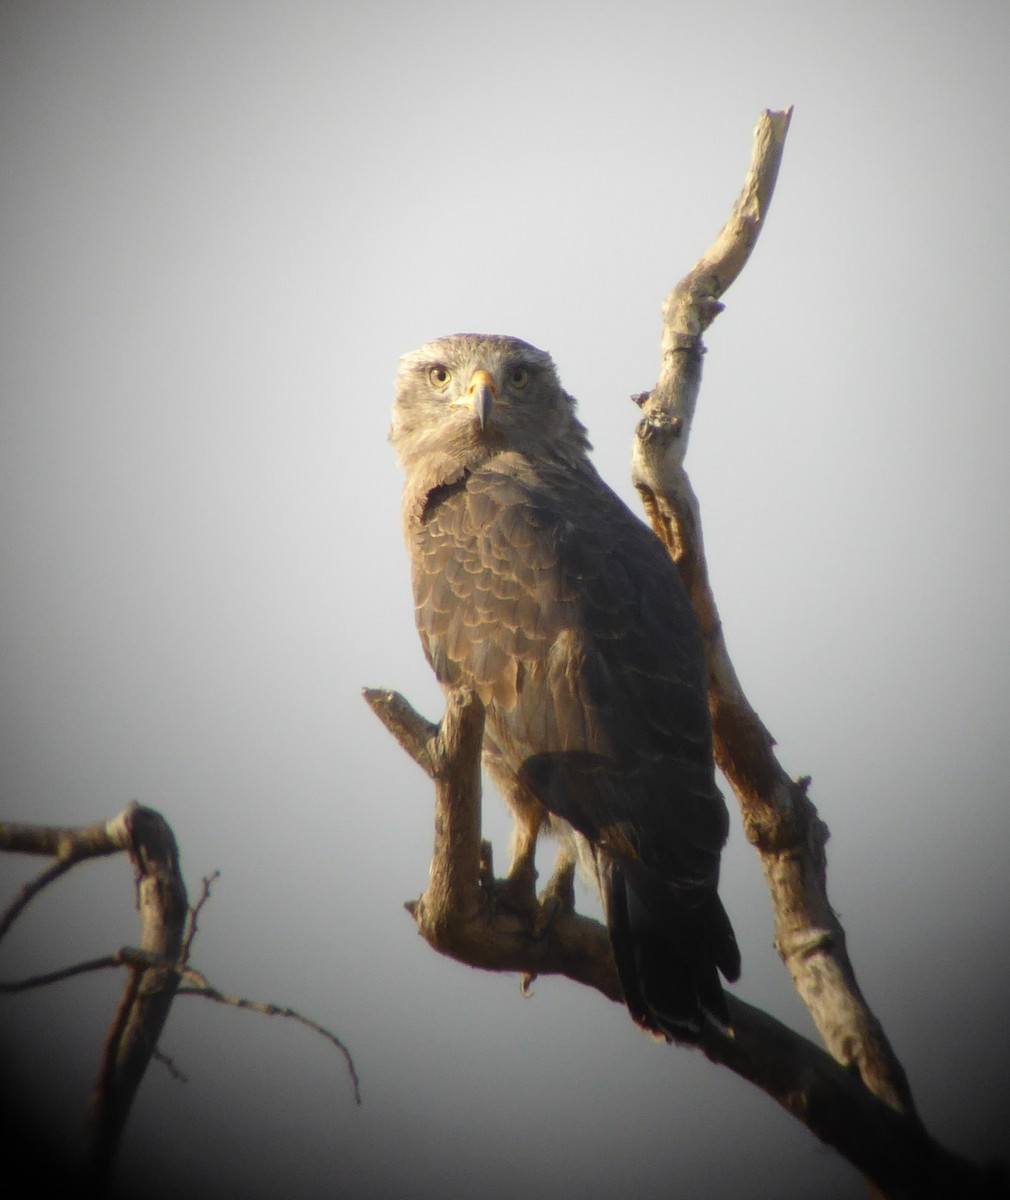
[(549, 579)]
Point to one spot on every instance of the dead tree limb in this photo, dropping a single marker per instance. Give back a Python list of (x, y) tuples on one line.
[(459, 915), (147, 998), (66, 846), (778, 816), (856, 1097), (158, 969)]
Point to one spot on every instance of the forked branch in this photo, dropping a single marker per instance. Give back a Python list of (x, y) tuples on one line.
[(459, 915), (147, 998), (158, 969), (856, 1097)]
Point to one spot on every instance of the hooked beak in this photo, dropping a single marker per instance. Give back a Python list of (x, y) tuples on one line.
[(480, 396)]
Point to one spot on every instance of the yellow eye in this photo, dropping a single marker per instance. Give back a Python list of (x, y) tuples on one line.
[(519, 377), (438, 375)]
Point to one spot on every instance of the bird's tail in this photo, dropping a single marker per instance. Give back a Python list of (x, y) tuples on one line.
[(670, 944)]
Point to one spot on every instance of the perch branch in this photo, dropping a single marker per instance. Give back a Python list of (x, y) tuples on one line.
[(856, 1098), (779, 818), (459, 916)]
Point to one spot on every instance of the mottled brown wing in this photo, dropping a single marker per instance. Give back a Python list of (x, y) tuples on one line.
[(542, 590)]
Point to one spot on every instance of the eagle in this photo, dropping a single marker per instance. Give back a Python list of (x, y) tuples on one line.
[(535, 585)]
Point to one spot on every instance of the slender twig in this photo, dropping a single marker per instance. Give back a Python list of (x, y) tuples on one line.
[(168, 1063), (32, 888), (197, 985), (194, 913), (93, 964)]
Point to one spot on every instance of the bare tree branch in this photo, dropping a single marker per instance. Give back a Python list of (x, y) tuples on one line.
[(147, 998), (144, 1005), (194, 913), (169, 1064), (197, 985), (93, 964), (456, 914), (778, 816), (155, 968), (855, 1099), (66, 845), (891, 1149), (459, 915)]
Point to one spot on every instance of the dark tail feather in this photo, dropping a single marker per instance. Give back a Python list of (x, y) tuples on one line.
[(669, 947)]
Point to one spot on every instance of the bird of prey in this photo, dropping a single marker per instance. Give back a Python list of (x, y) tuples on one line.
[(535, 585)]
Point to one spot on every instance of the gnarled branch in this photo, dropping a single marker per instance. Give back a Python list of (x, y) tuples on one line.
[(144, 1005), (157, 967), (856, 1098), (779, 818), (459, 915)]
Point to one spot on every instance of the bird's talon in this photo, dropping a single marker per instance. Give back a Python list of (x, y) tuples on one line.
[(485, 870), (549, 908), (517, 894)]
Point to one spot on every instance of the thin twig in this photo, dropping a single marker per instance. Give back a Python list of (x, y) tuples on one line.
[(93, 964), (32, 888), (168, 1063), (194, 912), (198, 985)]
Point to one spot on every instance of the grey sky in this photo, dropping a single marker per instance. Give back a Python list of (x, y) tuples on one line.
[(219, 227)]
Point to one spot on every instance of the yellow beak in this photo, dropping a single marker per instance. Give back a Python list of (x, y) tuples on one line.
[(480, 395)]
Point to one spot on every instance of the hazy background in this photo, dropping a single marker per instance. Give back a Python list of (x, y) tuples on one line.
[(221, 224)]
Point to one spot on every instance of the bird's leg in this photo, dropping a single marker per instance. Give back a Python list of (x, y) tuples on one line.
[(518, 890), (559, 895)]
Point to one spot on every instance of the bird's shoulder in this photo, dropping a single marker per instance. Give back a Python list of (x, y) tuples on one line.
[(543, 527), (519, 557), (548, 500)]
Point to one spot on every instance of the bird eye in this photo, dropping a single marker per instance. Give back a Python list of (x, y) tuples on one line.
[(438, 375), (519, 377)]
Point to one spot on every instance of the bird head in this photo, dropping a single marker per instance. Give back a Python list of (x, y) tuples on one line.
[(462, 400)]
